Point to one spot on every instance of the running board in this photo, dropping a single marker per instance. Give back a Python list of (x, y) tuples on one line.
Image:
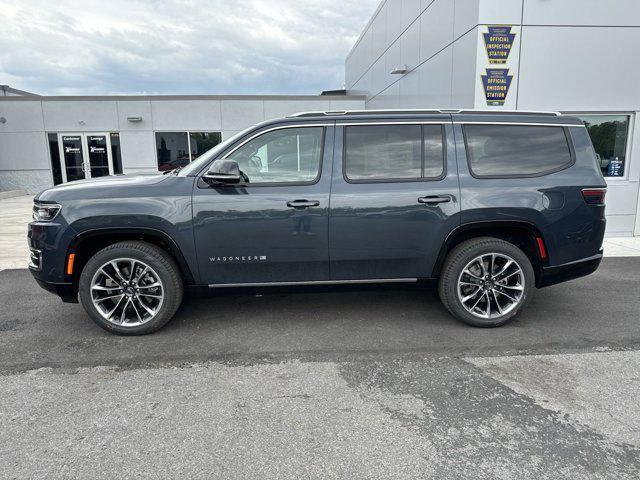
[(314, 282)]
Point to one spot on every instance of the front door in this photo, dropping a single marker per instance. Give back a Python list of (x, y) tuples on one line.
[(394, 198), (273, 227), (85, 155)]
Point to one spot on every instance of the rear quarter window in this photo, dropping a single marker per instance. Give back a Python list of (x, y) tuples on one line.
[(516, 150)]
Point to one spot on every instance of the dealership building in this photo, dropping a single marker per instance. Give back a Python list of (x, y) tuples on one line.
[(572, 56)]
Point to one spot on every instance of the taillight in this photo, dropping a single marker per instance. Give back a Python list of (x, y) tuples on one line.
[(594, 196)]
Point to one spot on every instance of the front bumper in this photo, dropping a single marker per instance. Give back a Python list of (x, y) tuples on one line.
[(48, 243), (68, 292), (569, 271)]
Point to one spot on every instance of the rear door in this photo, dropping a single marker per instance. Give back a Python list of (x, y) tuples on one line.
[(272, 229), (394, 197)]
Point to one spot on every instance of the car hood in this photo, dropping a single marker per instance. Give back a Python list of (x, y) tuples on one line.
[(103, 187)]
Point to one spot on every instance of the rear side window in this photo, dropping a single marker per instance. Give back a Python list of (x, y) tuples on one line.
[(393, 152), (516, 150)]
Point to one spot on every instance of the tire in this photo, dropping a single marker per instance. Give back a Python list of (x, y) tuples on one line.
[(457, 282), (158, 288)]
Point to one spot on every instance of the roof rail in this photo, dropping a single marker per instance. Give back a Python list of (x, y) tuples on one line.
[(420, 110)]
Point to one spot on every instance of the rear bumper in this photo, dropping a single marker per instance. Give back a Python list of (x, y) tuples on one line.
[(569, 271)]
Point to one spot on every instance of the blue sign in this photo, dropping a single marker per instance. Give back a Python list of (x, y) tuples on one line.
[(496, 83), (498, 42)]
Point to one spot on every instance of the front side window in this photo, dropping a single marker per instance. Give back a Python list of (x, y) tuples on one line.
[(393, 152), (516, 150), (609, 137), (290, 155)]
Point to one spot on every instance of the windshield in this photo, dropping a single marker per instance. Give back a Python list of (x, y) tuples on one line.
[(195, 166)]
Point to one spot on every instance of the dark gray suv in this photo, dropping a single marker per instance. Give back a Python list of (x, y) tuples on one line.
[(488, 204)]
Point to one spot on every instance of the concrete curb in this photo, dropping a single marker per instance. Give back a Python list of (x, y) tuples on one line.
[(12, 193)]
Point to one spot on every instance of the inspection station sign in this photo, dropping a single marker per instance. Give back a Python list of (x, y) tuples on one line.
[(497, 64), (498, 42), (496, 83)]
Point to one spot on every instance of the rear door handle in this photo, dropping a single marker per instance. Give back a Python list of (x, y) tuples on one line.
[(434, 199), (303, 203)]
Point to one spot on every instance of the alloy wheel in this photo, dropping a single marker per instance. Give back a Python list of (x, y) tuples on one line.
[(491, 285), (127, 292)]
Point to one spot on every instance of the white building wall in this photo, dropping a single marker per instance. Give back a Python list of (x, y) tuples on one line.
[(574, 56), (24, 152)]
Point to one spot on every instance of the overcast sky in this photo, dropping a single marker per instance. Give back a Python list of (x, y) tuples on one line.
[(73, 47)]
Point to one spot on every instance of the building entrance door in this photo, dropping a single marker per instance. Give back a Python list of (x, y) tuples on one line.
[(85, 155)]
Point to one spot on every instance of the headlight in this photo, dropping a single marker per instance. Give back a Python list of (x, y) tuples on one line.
[(45, 212)]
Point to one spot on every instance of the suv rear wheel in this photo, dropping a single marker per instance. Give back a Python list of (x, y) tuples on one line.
[(131, 288), (486, 282)]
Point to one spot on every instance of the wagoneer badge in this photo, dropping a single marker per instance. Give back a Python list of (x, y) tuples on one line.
[(238, 259)]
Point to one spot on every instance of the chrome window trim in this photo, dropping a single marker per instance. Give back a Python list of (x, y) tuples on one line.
[(391, 122), (279, 127)]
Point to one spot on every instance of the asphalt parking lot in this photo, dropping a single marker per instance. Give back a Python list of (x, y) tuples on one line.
[(342, 384)]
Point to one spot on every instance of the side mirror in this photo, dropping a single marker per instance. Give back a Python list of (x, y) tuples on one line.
[(223, 171)]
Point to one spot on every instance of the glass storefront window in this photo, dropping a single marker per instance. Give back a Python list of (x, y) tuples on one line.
[(173, 150), (203, 141), (81, 155), (116, 155), (177, 149), (54, 153), (609, 137)]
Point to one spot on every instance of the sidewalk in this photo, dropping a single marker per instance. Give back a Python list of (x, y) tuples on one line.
[(15, 213)]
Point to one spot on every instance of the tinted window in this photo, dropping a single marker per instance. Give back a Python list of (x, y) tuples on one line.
[(201, 142), (54, 151), (393, 152), (433, 151), (116, 156), (178, 149), (172, 149), (516, 150), (290, 155)]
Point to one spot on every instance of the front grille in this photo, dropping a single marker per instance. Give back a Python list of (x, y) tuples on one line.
[(35, 259)]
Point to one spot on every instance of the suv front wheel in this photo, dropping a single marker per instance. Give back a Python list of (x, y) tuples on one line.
[(486, 282), (131, 288)]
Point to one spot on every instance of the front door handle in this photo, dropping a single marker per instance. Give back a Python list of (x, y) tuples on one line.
[(434, 199), (303, 203)]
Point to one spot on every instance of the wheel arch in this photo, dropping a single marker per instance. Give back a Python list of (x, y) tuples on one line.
[(89, 242), (521, 233)]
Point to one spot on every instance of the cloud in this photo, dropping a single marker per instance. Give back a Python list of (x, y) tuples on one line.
[(94, 47)]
